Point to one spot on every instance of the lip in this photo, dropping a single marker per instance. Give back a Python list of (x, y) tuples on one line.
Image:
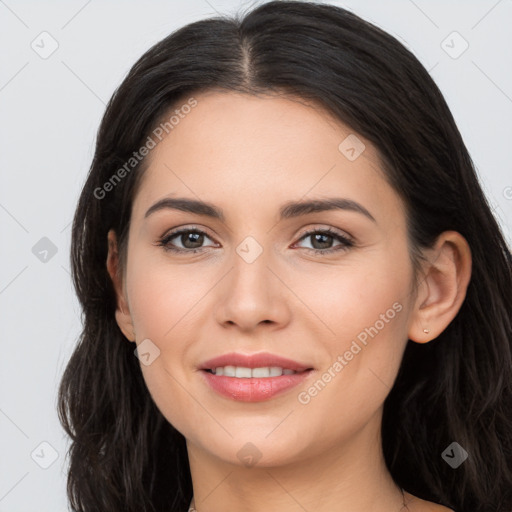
[(253, 389), (258, 360)]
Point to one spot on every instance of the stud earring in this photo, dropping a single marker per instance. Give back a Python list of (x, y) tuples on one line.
[(426, 331)]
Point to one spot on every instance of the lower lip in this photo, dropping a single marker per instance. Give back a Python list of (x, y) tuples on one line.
[(254, 389)]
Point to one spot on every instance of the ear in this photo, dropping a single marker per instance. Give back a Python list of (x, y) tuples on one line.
[(123, 317), (443, 288)]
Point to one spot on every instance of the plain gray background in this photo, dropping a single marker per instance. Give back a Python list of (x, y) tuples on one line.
[(50, 109)]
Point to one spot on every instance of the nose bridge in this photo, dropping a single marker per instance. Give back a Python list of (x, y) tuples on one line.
[(250, 275), (251, 294), (250, 250)]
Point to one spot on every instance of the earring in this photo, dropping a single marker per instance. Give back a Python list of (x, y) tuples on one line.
[(426, 331)]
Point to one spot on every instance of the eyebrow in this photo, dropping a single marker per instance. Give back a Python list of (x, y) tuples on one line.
[(289, 210)]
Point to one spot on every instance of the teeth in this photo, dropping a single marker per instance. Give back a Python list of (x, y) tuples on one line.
[(246, 373)]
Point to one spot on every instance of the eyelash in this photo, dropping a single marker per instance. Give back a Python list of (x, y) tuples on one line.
[(346, 243)]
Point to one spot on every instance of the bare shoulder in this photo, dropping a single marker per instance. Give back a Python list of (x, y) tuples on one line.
[(415, 504)]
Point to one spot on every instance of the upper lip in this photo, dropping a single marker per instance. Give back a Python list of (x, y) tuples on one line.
[(259, 360)]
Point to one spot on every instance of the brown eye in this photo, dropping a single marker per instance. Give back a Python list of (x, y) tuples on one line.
[(191, 240), (322, 241)]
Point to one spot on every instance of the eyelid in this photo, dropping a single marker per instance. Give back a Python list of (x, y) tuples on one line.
[(345, 240), (186, 227), (329, 229), (308, 231), (174, 232)]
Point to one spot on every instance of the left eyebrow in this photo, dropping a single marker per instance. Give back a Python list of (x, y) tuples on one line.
[(287, 211), (295, 209)]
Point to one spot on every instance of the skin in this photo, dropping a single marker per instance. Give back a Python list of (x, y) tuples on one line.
[(249, 155)]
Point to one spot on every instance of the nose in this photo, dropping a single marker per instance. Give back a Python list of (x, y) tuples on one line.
[(252, 292)]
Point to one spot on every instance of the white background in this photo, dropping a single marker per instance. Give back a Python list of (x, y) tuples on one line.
[(50, 110)]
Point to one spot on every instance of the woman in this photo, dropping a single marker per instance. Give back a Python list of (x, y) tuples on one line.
[(295, 294)]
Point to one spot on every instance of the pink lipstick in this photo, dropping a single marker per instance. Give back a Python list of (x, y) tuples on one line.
[(255, 377)]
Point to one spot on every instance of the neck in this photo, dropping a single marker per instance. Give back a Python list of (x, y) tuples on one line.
[(349, 476)]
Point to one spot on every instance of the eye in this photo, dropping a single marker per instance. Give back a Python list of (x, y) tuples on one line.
[(324, 237), (190, 238)]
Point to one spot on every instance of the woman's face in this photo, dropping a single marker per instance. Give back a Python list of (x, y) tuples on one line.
[(256, 285)]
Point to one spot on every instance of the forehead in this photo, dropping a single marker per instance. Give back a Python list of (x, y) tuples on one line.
[(247, 150), (271, 125)]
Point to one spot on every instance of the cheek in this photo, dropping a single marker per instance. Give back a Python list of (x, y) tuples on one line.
[(374, 325), (349, 299), (368, 311), (163, 297), (359, 374), (162, 300)]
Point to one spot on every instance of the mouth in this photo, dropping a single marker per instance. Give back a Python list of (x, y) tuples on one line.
[(260, 365), (243, 372), (253, 378)]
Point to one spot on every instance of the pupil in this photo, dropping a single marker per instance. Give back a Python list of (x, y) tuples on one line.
[(320, 235), (197, 238)]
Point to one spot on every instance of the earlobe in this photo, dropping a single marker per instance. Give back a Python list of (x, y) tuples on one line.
[(125, 324), (122, 314), (443, 288)]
